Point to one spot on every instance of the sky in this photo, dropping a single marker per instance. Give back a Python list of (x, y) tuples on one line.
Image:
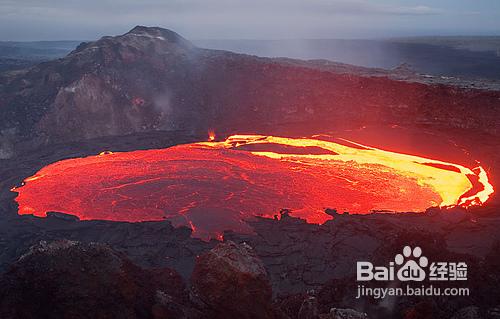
[(26, 20)]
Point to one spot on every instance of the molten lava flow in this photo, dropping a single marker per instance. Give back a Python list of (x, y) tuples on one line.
[(481, 196), (216, 186)]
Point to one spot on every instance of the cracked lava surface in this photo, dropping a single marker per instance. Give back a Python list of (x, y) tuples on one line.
[(216, 186)]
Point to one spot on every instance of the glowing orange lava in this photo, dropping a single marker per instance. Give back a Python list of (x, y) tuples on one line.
[(211, 135), (216, 186)]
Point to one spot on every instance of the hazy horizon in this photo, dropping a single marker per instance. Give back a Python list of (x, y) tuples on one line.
[(276, 39)]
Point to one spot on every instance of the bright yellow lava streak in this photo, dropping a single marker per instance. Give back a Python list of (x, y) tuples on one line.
[(448, 184)]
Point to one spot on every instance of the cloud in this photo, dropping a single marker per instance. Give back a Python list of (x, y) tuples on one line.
[(366, 8), (74, 19), (351, 7), (416, 10)]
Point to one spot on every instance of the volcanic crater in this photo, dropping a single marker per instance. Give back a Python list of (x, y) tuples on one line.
[(115, 133)]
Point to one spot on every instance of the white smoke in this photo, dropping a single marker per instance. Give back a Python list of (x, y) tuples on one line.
[(162, 104)]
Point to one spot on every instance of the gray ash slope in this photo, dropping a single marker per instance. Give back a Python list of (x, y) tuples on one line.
[(152, 79)]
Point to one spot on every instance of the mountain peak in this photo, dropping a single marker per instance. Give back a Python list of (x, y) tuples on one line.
[(140, 37), (158, 33)]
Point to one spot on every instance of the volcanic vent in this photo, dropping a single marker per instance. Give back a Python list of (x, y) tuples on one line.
[(217, 186)]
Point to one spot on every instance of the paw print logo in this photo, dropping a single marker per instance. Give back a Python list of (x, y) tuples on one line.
[(412, 263)]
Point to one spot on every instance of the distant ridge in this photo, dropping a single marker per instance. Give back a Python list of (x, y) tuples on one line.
[(152, 79)]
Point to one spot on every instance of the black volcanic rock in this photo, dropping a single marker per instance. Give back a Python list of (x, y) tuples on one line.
[(67, 279), (152, 79), (232, 282)]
